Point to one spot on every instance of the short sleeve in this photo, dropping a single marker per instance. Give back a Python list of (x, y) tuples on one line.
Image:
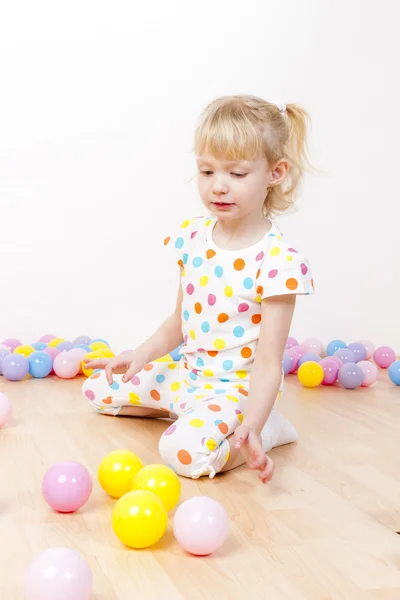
[(180, 240), (284, 271)]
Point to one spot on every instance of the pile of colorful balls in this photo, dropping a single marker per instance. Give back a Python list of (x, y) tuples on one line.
[(351, 365)]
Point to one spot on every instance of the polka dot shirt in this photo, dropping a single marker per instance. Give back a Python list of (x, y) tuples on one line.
[(222, 295)]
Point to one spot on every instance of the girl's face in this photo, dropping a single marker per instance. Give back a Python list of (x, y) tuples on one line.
[(232, 190)]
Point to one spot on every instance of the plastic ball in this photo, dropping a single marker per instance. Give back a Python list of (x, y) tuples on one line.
[(160, 480), (313, 345), (370, 372), (3, 352), (331, 370), (83, 347), (106, 352), (359, 351), (294, 357), (40, 364), (370, 348), (336, 360), (117, 470), (384, 356), (98, 345), (286, 363), (58, 573), (11, 343), (52, 352), (345, 355), (82, 340), (350, 376), (309, 357), (15, 367), (5, 409), (65, 346), (39, 345), (311, 374), (47, 338), (100, 340), (67, 486), (139, 519), (24, 350), (55, 342), (201, 525), (67, 365), (80, 353), (291, 341), (334, 346), (91, 355), (394, 372), (300, 350)]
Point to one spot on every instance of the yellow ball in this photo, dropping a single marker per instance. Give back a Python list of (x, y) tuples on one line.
[(24, 350), (54, 343), (92, 355), (160, 480), (106, 352), (98, 345), (310, 374), (116, 472), (139, 519)]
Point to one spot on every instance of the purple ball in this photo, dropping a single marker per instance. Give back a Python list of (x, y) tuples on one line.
[(291, 341), (310, 356), (3, 354), (286, 363), (359, 351), (15, 367), (345, 355), (65, 346), (350, 376), (83, 339)]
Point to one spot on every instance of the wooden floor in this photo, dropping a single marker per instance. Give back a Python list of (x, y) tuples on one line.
[(324, 529)]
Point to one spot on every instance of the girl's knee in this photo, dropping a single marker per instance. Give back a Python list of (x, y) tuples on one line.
[(96, 390), (192, 458)]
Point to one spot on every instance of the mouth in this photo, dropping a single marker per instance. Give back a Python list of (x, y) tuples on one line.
[(223, 204)]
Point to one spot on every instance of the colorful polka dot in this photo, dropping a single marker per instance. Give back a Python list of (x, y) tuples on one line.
[(134, 398), (208, 373), (148, 367), (193, 376), (218, 272), (289, 258), (190, 289), (95, 375), (248, 283), (223, 318), (292, 250), (135, 380), (212, 353), (214, 407), (107, 400), (220, 391), (186, 315), (185, 258), (275, 251), (205, 327), (175, 386), (241, 374), (211, 445), (227, 365), (179, 243), (210, 253), (180, 263), (228, 291), (184, 457), (197, 262), (212, 299), (260, 290), (197, 423), (192, 334), (260, 256), (171, 429), (90, 395), (204, 280), (246, 352), (239, 264), (232, 398), (160, 378), (304, 269), (198, 308), (172, 366), (200, 362), (238, 331), (243, 307), (185, 224), (243, 392), (292, 284), (167, 240), (223, 427), (256, 319), (155, 395), (273, 273), (240, 418), (219, 344), (208, 386)]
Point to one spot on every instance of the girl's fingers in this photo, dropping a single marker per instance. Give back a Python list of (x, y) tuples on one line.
[(109, 373)]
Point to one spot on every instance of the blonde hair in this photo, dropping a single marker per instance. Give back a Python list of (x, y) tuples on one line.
[(247, 127)]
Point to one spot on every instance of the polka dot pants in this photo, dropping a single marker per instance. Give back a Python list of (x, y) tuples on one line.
[(207, 412)]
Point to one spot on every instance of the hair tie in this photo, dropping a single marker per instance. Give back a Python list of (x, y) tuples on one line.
[(282, 108)]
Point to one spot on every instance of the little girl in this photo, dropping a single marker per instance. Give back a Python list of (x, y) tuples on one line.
[(238, 283)]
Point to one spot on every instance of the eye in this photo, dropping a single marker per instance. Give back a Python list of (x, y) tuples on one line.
[(239, 175), (206, 172)]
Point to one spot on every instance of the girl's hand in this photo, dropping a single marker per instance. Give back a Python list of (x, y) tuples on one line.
[(126, 363), (249, 443)]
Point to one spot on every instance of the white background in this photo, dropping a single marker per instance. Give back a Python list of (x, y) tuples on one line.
[(98, 104)]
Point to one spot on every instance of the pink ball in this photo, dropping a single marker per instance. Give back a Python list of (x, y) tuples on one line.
[(67, 365), (80, 353), (201, 525), (53, 352), (58, 573), (384, 356), (67, 486), (301, 351), (370, 372), (5, 409), (337, 360), (47, 338), (11, 343), (331, 370), (291, 341), (370, 348), (294, 357), (313, 345)]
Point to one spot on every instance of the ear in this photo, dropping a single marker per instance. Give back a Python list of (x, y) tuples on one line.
[(279, 172)]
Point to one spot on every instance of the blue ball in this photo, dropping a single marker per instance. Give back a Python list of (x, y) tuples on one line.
[(309, 356), (333, 346), (394, 372), (176, 354), (39, 345), (40, 364), (84, 347), (100, 340)]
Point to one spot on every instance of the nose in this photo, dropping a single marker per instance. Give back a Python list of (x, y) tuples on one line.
[(219, 186)]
